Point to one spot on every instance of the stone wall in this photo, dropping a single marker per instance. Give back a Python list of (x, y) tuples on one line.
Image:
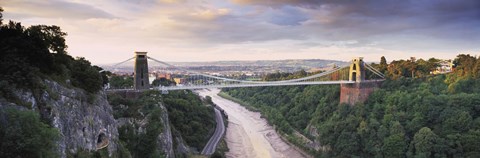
[(352, 93)]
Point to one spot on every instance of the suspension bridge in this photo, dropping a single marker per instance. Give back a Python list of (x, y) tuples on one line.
[(357, 79)]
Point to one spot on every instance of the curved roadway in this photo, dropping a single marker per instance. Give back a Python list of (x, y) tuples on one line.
[(210, 147)]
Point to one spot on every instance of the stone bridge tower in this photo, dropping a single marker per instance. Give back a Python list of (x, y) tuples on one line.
[(357, 70), (351, 93), (141, 71)]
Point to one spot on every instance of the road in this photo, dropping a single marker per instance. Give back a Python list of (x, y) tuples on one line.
[(248, 135), (209, 149)]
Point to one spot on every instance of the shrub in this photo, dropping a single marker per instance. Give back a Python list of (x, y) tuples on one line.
[(22, 134)]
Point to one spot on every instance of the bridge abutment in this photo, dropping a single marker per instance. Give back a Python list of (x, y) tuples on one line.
[(352, 93)]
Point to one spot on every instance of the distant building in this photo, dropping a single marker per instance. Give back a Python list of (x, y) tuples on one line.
[(179, 81), (151, 78), (444, 66), (165, 76)]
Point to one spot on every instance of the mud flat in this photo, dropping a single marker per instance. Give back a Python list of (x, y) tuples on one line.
[(247, 134)]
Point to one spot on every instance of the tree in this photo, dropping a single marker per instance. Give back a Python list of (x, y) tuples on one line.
[(104, 74), (121, 81), (162, 82), (424, 141), (1, 15), (52, 36), (23, 134), (208, 100), (397, 128), (86, 76), (394, 146), (383, 65), (464, 62), (383, 61), (471, 142)]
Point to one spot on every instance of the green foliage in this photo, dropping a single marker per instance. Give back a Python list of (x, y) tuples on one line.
[(135, 143), (382, 67), (162, 82), (296, 106), (186, 111), (284, 75), (29, 55), (22, 134), (144, 144), (189, 116), (86, 76), (121, 82), (51, 36), (123, 107), (467, 71), (424, 141), (406, 117), (220, 150), (208, 100), (394, 146)]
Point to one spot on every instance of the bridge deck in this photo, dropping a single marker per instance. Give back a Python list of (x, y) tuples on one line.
[(191, 87)]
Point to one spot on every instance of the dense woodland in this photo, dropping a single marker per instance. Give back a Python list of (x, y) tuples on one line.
[(418, 115)]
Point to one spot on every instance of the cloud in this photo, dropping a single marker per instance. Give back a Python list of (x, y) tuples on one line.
[(52, 9), (278, 3), (287, 16), (295, 27)]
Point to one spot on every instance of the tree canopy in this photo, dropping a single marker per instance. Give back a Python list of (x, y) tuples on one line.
[(22, 134), (29, 55), (419, 115)]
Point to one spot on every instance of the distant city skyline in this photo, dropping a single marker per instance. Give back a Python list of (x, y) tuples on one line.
[(109, 31)]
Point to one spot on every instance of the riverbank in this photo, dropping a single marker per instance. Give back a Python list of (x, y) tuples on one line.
[(249, 135), (297, 147)]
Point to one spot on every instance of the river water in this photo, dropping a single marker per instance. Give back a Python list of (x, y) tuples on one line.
[(248, 135)]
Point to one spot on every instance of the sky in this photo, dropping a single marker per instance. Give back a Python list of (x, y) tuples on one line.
[(110, 31)]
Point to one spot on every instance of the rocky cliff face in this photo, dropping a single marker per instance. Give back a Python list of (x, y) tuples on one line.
[(164, 140), (85, 122)]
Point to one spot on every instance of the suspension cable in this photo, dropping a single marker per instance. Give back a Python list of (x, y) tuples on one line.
[(243, 81), (120, 63), (374, 71)]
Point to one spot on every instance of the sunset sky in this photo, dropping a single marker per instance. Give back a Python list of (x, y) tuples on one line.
[(109, 31)]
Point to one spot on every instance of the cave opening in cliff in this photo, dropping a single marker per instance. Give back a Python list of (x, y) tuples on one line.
[(100, 138), (102, 141)]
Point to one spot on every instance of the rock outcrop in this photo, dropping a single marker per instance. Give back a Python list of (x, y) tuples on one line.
[(85, 121), (165, 140)]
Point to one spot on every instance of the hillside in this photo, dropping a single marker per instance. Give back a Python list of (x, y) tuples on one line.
[(177, 124), (54, 105), (425, 116)]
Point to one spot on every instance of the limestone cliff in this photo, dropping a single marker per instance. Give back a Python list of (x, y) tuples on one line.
[(85, 122), (164, 139)]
